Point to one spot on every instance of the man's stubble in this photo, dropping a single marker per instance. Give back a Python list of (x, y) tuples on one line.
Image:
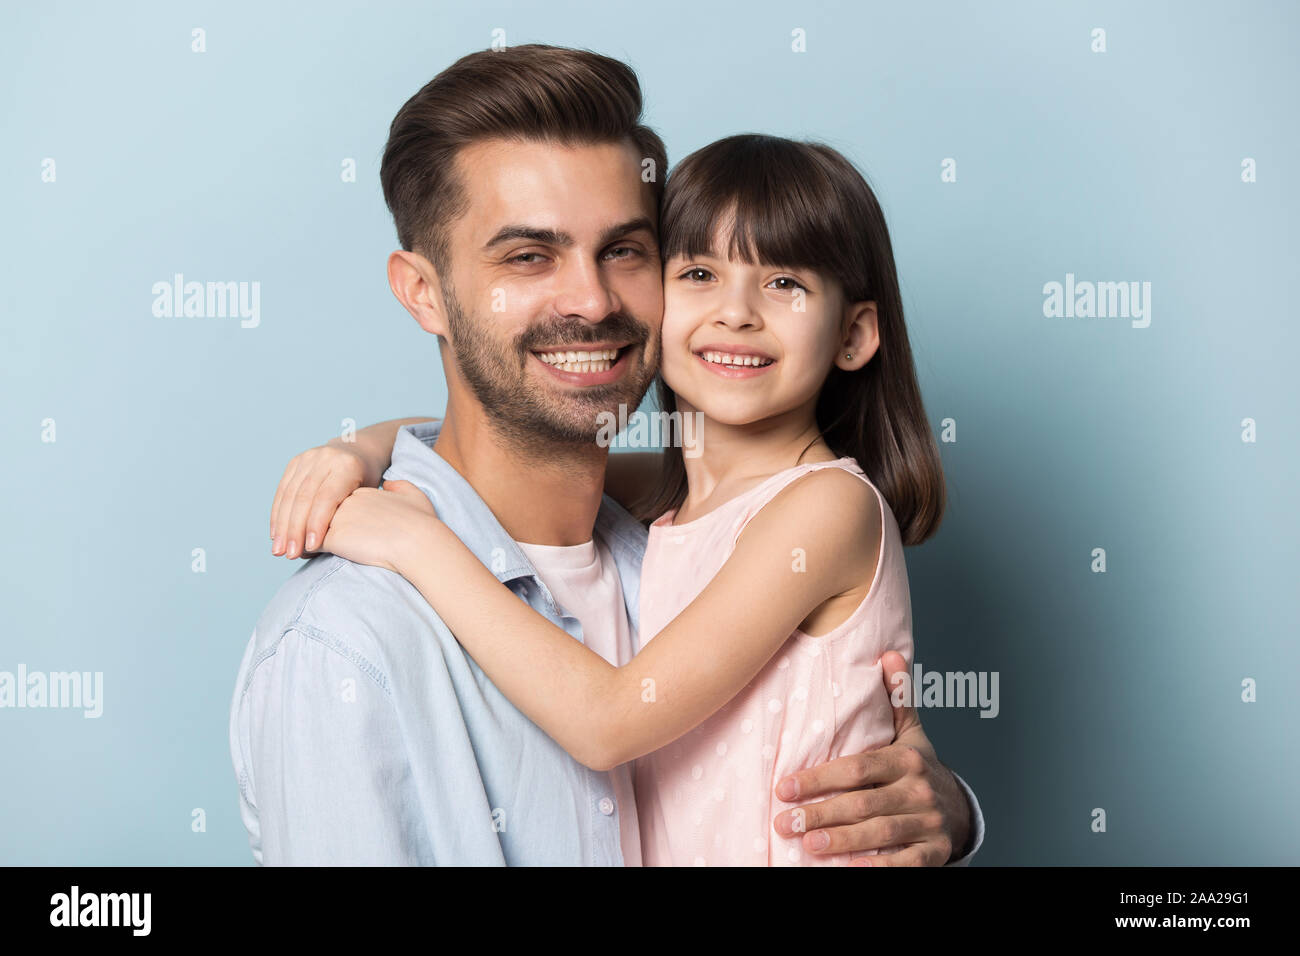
[(531, 419)]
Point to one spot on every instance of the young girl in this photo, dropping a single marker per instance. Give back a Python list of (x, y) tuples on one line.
[(774, 578)]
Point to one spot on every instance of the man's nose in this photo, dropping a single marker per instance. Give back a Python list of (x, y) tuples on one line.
[(583, 291)]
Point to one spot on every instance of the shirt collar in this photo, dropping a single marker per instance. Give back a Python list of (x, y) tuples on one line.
[(468, 516)]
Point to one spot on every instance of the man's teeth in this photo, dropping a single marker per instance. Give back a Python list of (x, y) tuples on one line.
[(599, 360), (726, 358)]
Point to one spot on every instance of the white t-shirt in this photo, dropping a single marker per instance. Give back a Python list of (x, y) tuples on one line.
[(584, 581)]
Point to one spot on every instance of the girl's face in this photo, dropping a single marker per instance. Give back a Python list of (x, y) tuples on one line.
[(742, 342)]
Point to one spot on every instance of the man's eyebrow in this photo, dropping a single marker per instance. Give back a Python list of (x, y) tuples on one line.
[(623, 228), (553, 237), (548, 237)]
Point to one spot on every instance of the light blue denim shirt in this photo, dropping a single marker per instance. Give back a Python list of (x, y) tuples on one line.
[(363, 734)]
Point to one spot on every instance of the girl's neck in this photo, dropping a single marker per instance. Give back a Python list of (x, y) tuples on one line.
[(732, 459)]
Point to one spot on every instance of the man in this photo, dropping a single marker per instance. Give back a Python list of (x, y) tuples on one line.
[(361, 732)]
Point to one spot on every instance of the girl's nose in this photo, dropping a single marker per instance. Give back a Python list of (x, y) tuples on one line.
[(737, 310), (738, 316)]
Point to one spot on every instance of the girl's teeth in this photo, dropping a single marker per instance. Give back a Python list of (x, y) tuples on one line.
[(724, 358)]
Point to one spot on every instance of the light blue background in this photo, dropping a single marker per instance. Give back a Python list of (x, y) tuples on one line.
[(1118, 690)]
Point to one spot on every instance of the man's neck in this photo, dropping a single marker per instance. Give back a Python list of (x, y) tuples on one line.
[(549, 498)]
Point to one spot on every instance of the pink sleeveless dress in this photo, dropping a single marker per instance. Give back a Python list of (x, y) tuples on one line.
[(708, 799)]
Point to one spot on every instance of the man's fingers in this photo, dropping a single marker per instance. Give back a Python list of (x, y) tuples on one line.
[(874, 834), (902, 699), (920, 854), (846, 808), (844, 773)]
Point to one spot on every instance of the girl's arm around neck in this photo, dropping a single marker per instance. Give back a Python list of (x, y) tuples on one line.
[(605, 715), (374, 445)]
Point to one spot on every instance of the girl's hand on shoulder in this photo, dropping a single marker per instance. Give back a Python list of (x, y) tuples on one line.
[(311, 489), (382, 527)]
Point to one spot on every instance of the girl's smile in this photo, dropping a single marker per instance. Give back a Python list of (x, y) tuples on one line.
[(734, 361)]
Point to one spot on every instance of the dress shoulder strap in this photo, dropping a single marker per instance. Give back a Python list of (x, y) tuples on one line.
[(769, 489)]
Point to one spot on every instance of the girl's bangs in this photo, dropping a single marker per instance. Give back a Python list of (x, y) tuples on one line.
[(784, 217)]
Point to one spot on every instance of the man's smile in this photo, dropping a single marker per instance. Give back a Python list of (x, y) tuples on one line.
[(587, 364)]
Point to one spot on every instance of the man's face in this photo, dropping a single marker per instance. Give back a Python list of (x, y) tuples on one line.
[(557, 254)]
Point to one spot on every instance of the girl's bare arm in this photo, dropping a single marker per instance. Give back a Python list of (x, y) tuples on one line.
[(316, 481), (605, 715)]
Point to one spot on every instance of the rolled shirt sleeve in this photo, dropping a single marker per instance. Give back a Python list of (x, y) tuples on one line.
[(976, 822)]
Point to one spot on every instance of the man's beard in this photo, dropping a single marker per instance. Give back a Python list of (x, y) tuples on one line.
[(529, 416)]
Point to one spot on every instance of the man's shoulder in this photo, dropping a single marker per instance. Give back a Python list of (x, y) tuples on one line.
[(373, 617)]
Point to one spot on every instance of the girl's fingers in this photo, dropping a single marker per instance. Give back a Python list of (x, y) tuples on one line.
[(331, 494), (280, 493), (277, 528), (299, 508), (411, 493)]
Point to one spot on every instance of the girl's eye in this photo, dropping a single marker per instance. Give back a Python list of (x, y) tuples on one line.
[(794, 284), (690, 275)]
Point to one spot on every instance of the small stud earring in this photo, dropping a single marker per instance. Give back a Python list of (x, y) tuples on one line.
[(848, 355)]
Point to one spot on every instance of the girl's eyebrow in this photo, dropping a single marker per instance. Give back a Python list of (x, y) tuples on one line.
[(807, 273)]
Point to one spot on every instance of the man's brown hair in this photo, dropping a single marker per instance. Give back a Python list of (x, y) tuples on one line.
[(530, 92)]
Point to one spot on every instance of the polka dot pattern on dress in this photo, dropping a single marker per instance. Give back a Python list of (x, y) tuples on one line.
[(815, 700)]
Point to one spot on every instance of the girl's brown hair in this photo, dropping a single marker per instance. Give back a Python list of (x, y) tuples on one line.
[(801, 204)]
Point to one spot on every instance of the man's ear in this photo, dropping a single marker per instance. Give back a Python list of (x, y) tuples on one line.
[(415, 282), (861, 337)]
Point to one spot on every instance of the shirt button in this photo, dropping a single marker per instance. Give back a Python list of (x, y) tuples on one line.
[(606, 806)]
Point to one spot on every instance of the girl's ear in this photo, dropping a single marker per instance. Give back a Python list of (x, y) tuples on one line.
[(416, 285), (861, 336)]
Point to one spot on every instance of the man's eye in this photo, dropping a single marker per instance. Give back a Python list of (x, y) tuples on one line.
[(696, 275), (627, 249), (525, 258)]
